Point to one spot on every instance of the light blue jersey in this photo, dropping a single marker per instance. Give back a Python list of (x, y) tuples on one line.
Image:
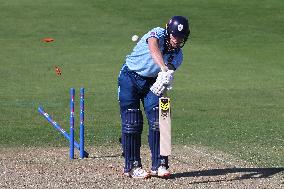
[(140, 60)]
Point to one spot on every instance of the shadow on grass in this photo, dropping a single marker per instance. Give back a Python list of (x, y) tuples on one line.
[(245, 173)]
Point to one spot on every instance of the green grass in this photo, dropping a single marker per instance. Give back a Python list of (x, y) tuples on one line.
[(228, 94)]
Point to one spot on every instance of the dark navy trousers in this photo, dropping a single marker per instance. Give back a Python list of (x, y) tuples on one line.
[(133, 89)]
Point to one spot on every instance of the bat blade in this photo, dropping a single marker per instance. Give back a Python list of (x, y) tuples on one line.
[(165, 126)]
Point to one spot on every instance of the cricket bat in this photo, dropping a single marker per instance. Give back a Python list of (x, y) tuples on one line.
[(165, 126)]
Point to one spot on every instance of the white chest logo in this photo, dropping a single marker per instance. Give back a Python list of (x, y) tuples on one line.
[(180, 27)]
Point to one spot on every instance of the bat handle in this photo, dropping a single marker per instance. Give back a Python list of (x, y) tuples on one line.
[(164, 69), (165, 93)]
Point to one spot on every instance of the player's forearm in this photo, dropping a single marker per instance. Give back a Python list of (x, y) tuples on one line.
[(156, 54)]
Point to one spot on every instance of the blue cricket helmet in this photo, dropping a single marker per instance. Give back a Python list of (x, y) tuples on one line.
[(178, 26)]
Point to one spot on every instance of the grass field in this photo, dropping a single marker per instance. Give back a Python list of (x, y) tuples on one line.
[(228, 95)]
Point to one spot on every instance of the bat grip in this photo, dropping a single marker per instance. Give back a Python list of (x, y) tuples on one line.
[(164, 69), (165, 92)]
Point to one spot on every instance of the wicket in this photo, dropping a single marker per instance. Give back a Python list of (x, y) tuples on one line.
[(70, 137)]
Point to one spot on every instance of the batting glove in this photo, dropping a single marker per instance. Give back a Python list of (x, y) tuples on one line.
[(158, 87), (170, 79)]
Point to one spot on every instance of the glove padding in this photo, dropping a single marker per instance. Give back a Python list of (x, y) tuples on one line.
[(163, 81), (170, 79), (166, 77)]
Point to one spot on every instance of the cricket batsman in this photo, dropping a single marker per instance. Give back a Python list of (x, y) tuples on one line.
[(146, 74)]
